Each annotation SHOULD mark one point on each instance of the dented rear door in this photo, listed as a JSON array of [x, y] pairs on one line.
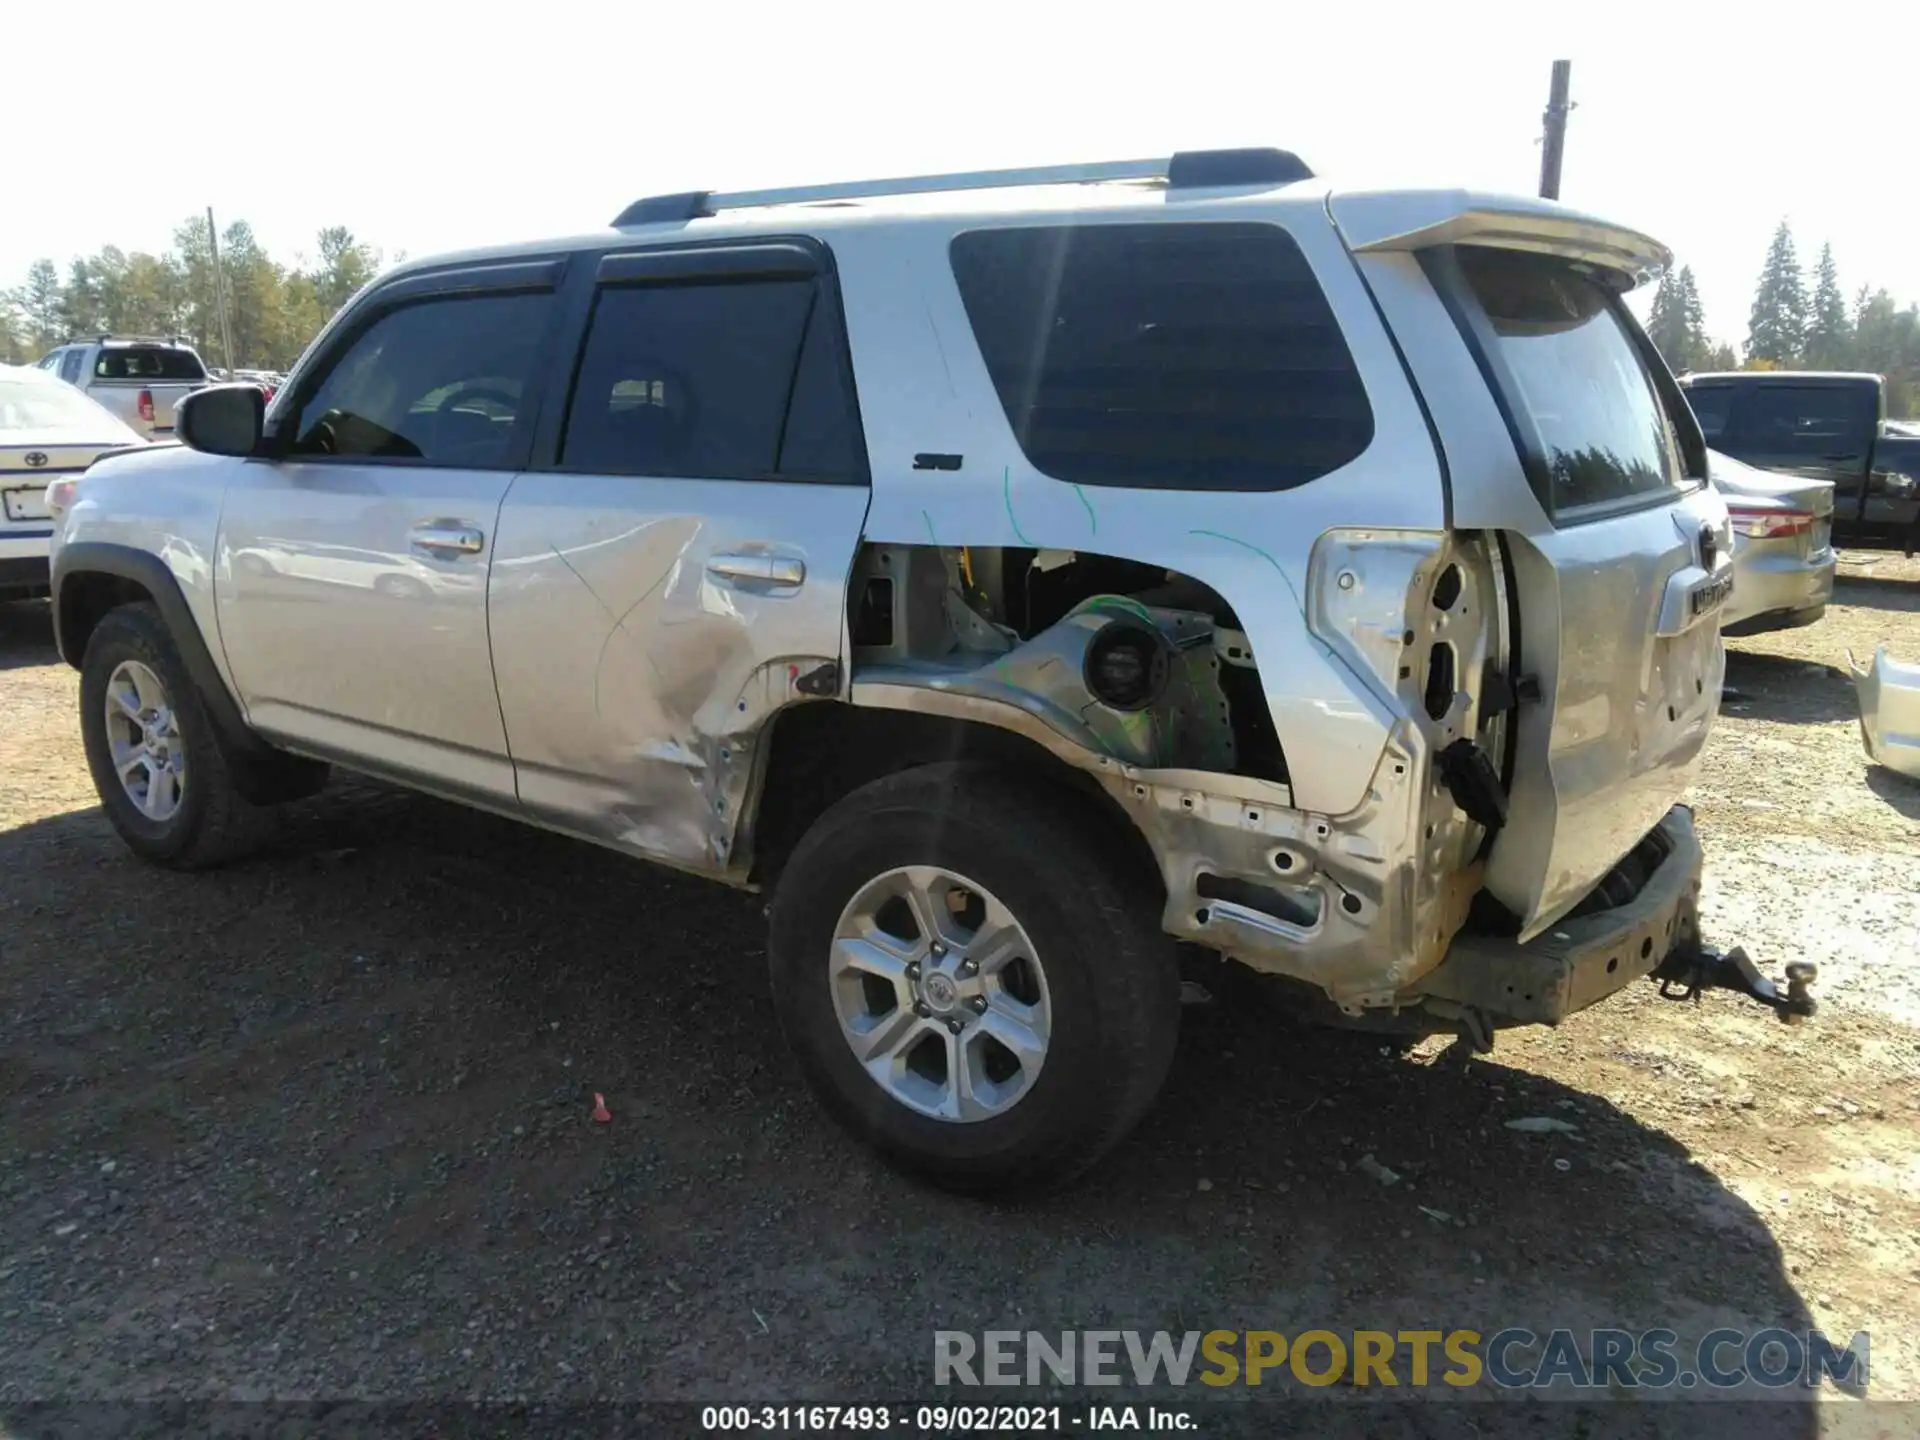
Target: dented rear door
[[1567, 440], [674, 566]]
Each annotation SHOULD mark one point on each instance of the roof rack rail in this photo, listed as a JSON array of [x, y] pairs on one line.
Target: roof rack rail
[[1186, 169], [99, 337]]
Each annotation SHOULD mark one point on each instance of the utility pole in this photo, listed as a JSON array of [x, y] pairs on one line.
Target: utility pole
[[1554, 144], [220, 294]]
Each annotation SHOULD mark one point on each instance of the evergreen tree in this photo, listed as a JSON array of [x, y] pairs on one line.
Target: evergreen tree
[[1698, 347], [13, 340], [40, 308], [1829, 332], [1777, 326], [345, 265], [1667, 321]]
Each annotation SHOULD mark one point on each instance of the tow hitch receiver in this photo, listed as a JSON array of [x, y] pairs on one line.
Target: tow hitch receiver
[[1689, 970]]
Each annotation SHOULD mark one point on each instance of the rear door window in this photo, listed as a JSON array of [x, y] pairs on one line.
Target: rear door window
[[1824, 422], [1183, 356], [148, 362], [721, 380], [1589, 418]]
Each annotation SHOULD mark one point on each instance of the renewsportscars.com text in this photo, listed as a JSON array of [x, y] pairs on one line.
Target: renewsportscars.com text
[[1512, 1358]]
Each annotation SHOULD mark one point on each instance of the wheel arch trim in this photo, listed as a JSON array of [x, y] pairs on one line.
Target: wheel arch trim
[[150, 573]]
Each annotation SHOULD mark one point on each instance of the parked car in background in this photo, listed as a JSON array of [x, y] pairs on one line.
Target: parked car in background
[[1824, 426], [47, 432], [137, 378], [267, 380], [1783, 560]]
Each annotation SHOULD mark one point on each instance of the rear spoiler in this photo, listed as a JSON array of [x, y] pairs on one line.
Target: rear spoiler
[[1421, 219]]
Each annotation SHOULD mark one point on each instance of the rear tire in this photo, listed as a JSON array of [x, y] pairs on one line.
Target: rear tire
[[179, 806], [1062, 1031]]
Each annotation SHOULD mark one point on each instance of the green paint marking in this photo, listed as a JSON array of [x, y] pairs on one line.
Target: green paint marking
[[1092, 519], [1247, 545], [929, 519], [1006, 493]]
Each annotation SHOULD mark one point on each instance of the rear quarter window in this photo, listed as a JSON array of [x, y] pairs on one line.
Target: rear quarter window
[[1182, 356]]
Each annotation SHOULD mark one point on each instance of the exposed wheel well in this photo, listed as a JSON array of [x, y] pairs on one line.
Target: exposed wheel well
[[85, 600], [821, 752]]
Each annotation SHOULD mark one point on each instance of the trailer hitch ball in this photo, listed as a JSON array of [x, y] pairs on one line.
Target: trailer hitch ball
[[1685, 973]]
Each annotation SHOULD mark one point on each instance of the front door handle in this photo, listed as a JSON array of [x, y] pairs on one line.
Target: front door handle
[[443, 539], [758, 569]]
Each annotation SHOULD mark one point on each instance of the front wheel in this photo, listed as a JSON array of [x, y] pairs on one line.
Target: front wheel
[[969, 980], [163, 779]]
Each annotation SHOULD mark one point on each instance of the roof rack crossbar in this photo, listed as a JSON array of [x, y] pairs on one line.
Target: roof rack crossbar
[[1187, 168]]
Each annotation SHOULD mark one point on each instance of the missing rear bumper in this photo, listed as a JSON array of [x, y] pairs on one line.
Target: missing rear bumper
[[1584, 958]]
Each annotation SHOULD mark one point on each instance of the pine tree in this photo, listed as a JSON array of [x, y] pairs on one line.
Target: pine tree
[[40, 307], [1777, 326], [1829, 332], [1698, 347], [1667, 321]]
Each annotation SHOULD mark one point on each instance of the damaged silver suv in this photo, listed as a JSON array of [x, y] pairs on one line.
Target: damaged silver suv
[[1014, 574]]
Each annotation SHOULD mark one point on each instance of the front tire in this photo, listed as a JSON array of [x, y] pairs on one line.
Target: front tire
[[162, 777], [971, 982]]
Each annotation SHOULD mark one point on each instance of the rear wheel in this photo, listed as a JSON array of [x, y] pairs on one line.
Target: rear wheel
[[162, 776], [968, 979]]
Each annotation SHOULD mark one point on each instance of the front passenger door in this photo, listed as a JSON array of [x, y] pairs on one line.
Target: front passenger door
[[352, 572]]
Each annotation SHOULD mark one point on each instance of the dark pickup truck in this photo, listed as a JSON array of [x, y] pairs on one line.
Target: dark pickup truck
[[1824, 426]]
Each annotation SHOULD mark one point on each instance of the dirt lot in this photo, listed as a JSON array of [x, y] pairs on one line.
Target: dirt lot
[[317, 1126]]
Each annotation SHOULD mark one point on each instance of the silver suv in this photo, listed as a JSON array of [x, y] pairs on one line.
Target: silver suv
[[1014, 575]]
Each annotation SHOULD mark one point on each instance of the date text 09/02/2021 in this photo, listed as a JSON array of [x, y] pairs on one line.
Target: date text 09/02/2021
[[945, 1419]]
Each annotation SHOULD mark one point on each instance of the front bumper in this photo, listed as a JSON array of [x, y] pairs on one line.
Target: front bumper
[[1584, 958]]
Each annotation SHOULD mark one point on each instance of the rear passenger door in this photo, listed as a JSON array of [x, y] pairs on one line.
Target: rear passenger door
[[673, 566]]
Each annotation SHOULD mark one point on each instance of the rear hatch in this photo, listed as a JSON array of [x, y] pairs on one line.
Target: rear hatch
[[166, 373], [1567, 440]]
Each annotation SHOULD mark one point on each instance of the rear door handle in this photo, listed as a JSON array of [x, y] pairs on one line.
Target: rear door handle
[[758, 569], [443, 539]]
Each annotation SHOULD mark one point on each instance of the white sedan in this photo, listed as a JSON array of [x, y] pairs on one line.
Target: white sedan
[[47, 430]]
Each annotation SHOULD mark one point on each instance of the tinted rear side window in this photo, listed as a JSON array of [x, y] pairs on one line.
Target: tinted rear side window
[[148, 362], [727, 380], [1190, 356]]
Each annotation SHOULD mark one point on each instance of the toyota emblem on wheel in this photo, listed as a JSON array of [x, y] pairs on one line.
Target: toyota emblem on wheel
[[36, 458]]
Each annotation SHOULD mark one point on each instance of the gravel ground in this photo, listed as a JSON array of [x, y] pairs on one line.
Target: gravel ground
[[316, 1126]]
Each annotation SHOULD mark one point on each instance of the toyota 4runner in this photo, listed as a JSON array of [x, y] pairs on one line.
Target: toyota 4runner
[[1014, 575]]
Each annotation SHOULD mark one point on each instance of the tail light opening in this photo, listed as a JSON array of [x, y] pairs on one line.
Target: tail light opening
[[60, 496], [1769, 524], [146, 406]]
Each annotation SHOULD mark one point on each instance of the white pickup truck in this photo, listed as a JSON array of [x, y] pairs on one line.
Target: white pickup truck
[[135, 377]]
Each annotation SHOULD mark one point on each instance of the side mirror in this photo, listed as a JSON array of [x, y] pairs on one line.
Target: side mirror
[[221, 419]]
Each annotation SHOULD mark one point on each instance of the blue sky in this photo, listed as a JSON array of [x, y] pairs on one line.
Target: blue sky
[[426, 128]]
